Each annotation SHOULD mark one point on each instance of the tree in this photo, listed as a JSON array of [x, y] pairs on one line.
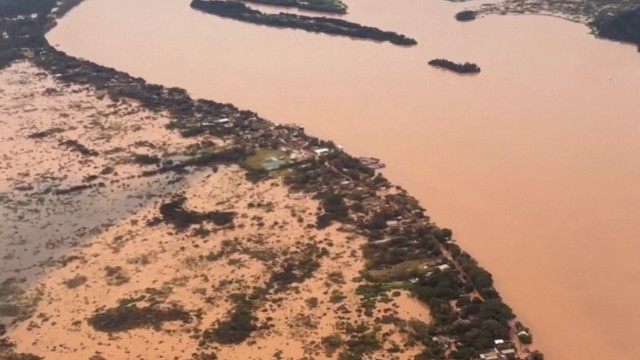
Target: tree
[[495, 309], [495, 329], [536, 355]]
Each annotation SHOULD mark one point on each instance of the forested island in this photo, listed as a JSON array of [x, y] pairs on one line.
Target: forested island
[[239, 11], [624, 26], [466, 15], [327, 6], [460, 68]]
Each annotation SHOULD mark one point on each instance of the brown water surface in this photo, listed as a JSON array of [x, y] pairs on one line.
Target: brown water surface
[[535, 163]]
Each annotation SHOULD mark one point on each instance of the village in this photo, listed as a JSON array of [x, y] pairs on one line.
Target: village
[[405, 250], [389, 217]]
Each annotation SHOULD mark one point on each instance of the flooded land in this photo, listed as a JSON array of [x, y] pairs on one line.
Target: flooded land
[[533, 162], [142, 222]]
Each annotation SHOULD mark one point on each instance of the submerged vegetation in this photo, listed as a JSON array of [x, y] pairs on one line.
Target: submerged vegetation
[[239, 11], [174, 213], [460, 68], [126, 317]]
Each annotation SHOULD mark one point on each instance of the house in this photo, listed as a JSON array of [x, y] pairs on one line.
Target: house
[[444, 267], [491, 355], [498, 342], [321, 151], [509, 354], [392, 223]]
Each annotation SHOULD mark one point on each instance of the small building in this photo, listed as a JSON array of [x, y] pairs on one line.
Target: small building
[[444, 267], [321, 151], [509, 354], [498, 342], [491, 355]]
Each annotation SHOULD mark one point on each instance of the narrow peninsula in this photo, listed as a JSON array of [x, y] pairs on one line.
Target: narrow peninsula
[[239, 11], [460, 68]]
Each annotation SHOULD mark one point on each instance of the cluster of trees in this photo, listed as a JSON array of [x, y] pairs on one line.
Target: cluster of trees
[[75, 145], [460, 68], [174, 213], [623, 27], [334, 209], [237, 328], [126, 317], [466, 15], [12, 8], [327, 6], [298, 268], [239, 11]]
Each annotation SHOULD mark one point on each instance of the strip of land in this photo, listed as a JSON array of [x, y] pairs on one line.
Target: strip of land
[[460, 68], [325, 6], [239, 11]]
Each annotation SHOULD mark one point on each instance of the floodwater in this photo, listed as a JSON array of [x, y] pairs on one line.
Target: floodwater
[[535, 163]]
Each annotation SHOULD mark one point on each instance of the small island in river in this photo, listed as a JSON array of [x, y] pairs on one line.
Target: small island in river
[[465, 68], [239, 11], [466, 15]]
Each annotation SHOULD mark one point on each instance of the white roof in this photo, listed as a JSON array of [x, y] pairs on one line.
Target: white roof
[[321, 151], [498, 342]]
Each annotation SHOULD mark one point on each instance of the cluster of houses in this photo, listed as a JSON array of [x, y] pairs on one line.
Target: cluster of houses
[[299, 147], [503, 350]]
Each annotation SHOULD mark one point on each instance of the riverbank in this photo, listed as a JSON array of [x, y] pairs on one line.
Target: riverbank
[[540, 147], [104, 246], [116, 152], [456, 289]]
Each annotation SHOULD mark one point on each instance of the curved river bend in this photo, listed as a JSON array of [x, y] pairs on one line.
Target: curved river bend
[[535, 163]]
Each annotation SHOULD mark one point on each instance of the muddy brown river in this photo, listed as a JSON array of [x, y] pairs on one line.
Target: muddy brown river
[[535, 162]]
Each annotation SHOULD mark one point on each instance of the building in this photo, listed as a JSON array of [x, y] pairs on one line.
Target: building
[[321, 151], [509, 354], [491, 355], [444, 267]]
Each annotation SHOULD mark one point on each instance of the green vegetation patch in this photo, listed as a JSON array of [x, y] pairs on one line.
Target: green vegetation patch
[[403, 271], [263, 157]]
